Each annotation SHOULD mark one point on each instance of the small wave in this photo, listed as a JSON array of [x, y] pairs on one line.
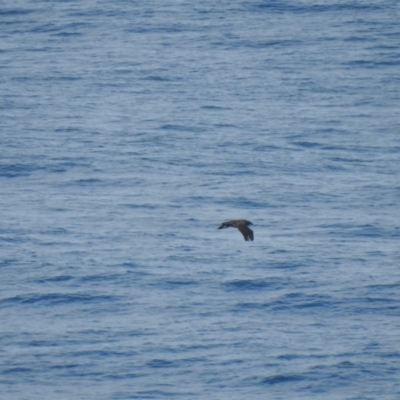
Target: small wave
[[61, 278], [85, 182], [255, 284], [54, 298], [181, 128], [17, 170], [307, 144], [16, 12], [158, 363], [276, 379]]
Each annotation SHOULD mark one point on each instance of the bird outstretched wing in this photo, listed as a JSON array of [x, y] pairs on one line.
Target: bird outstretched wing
[[246, 232]]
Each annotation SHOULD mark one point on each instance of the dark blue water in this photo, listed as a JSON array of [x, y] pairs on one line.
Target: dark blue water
[[130, 130]]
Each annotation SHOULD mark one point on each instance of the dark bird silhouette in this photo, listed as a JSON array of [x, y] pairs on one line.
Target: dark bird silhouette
[[242, 225]]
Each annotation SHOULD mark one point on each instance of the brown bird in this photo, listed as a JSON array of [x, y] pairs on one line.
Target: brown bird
[[242, 225]]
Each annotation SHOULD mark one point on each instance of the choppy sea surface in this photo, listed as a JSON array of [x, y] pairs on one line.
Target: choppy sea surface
[[129, 130]]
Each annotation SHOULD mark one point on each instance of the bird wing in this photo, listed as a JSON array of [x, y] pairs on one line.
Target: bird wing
[[246, 232]]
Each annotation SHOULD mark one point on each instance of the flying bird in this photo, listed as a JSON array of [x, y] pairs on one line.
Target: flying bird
[[242, 225]]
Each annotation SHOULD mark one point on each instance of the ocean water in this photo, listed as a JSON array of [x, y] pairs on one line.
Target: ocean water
[[129, 130]]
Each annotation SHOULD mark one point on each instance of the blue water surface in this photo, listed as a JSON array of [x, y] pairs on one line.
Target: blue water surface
[[130, 130]]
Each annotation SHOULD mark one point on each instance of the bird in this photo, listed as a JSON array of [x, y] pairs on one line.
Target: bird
[[242, 225]]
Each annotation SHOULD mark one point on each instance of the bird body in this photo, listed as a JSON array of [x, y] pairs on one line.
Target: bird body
[[242, 225]]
